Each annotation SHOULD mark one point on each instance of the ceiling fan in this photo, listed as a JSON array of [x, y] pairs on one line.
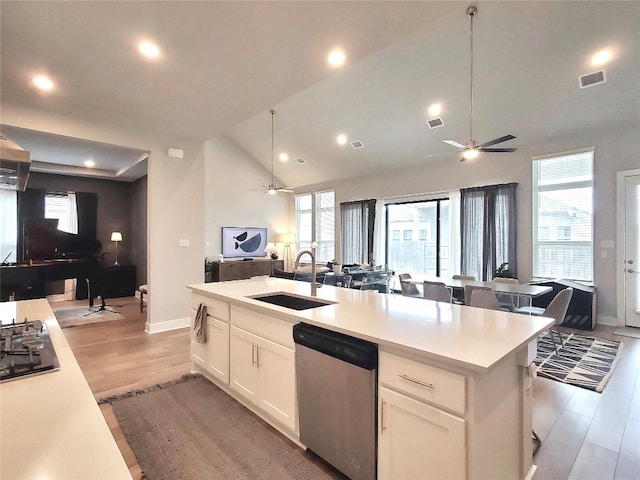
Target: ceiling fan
[[471, 148], [272, 188]]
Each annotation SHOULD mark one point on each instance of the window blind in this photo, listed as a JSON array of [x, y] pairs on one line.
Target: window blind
[[563, 216]]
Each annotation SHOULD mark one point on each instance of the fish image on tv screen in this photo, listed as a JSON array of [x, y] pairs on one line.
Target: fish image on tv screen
[[244, 241]]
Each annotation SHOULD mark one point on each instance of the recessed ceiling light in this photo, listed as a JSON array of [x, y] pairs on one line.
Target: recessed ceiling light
[[89, 163], [336, 57], [601, 58], [43, 83], [341, 139], [149, 49], [283, 157], [435, 109]]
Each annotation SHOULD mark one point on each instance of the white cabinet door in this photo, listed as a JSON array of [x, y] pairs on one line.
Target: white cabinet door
[[277, 379], [217, 349], [213, 355], [418, 441], [243, 371]]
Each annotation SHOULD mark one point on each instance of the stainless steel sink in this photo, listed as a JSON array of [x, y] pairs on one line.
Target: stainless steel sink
[[288, 300]]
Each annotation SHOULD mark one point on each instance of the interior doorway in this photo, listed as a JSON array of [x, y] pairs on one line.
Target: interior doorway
[[629, 229]]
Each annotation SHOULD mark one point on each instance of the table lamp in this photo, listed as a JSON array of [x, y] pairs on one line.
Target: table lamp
[[116, 237], [272, 249]]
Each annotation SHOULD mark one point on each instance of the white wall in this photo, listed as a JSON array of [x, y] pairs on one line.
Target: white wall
[[615, 149], [234, 197], [175, 208]]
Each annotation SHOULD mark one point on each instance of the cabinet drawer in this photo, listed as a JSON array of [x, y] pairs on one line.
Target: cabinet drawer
[[274, 329], [423, 381], [215, 308]]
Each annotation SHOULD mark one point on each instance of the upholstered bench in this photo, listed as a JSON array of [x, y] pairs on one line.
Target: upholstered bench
[[143, 290]]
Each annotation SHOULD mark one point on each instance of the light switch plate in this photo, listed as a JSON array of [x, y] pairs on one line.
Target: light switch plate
[[183, 242]]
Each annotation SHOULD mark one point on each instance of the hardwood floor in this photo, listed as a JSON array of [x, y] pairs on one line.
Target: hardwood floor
[[585, 435]]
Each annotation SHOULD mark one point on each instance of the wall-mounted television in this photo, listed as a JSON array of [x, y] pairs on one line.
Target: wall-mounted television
[[244, 241]]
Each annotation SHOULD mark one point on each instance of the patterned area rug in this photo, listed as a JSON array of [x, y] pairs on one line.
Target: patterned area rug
[[78, 316], [586, 362]]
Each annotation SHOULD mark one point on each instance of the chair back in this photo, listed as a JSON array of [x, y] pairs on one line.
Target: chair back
[[484, 299], [468, 290], [436, 291], [505, 280], [338, 280], [408, 289], [463, 277], [557, 308]]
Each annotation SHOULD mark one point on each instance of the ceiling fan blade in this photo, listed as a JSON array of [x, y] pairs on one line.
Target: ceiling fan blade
[[286, 190], [497, 150], [496, 141], [454, 144]]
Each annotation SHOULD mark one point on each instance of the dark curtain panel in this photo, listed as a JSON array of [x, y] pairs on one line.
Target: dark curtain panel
[[30, 206], [488, 229], [87, 204], [357, 221]]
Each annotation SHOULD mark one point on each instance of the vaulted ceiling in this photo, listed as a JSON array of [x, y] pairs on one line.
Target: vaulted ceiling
[[225, 64]]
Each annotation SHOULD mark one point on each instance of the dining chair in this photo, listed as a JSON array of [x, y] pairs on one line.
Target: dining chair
[[408, 289], [482, 298], [339, 280], [463, 277], [508, 301], [468, 290], [436, 291], [557, 309]]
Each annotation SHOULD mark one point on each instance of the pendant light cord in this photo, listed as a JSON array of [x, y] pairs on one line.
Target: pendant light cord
[[471, 15], [273, 112]]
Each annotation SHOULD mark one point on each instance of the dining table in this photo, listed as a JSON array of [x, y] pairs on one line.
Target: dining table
[[513, 289]]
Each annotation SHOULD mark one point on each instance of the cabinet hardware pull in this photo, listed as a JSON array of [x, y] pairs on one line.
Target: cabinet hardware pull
[[413, 380], [382, 427], [253, 354], [258, 355]]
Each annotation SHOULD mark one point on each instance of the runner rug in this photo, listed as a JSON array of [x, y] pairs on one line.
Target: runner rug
[[190, 429], [586, 362], [78, 316]]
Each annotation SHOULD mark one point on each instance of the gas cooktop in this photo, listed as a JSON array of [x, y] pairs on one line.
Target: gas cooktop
[[26, 349]]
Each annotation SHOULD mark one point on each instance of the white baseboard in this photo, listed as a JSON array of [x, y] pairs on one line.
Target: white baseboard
[[158, 327], [612, 321]]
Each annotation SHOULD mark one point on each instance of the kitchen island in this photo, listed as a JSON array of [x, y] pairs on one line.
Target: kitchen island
[[51, 425], [463, 370]]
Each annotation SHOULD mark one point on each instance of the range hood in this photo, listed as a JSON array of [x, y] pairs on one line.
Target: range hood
[[14, 165]]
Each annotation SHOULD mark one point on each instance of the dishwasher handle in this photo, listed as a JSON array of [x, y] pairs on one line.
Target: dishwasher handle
[[349, 349]]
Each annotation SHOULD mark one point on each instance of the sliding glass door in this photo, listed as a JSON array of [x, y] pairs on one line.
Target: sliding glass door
[[418, 237]]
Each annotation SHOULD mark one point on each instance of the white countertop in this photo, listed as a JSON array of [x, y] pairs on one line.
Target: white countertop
[[468, 337], [51, 426]]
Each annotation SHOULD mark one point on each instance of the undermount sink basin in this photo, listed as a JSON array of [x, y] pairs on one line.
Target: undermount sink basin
[[288, 300]]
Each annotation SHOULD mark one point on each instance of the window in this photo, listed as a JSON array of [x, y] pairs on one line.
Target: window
[[63, 207], [429, 253], [315, 220], [562, 216], [8, 225], [357, 232]]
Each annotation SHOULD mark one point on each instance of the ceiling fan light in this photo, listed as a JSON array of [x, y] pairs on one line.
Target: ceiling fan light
[[272, 191], [470, 154]]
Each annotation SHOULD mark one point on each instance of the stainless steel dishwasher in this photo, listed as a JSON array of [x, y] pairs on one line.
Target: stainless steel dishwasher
[[337, 378]]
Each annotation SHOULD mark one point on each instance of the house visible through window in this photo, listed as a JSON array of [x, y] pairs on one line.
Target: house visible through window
[[424, 247], [562, 216], [315, 220], [62, 206]]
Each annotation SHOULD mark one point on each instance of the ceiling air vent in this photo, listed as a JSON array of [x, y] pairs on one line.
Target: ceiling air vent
[[357, 144], [300, 160], [591, 79], [435, 122]]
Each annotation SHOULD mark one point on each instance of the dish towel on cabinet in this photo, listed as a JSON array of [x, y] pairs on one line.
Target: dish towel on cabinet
[[199, 326]]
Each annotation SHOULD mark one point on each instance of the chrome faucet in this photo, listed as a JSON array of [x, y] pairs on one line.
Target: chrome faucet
[[312, 254]]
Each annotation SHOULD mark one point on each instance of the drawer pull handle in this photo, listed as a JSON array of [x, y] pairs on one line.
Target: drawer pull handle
[[413, 380]]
